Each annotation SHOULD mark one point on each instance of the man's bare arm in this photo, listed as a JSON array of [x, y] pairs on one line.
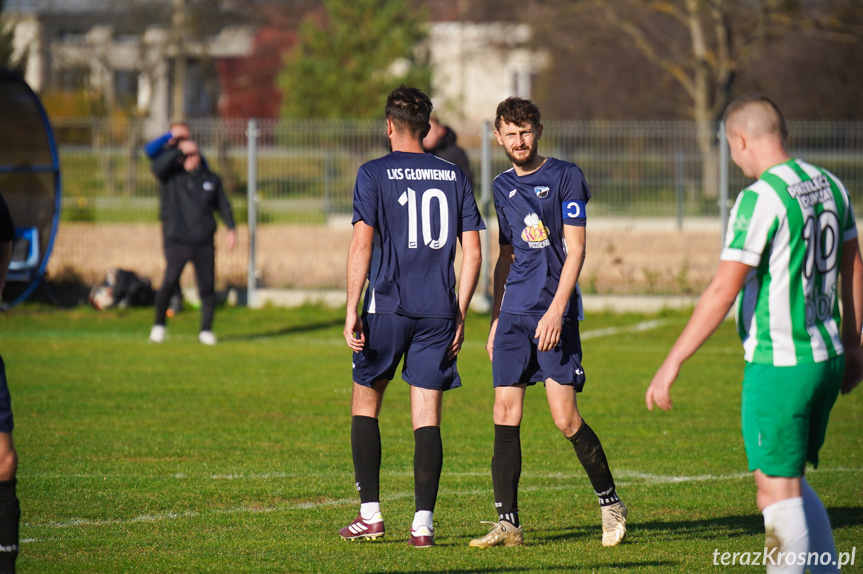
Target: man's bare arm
[[470, 265], [359, 259]]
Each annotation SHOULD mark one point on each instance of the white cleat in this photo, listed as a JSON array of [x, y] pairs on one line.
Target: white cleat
[[207, 338], [613, 524], [502, 533], [157, 334]]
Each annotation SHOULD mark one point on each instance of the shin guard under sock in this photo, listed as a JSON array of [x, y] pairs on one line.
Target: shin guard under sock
[[592, 458], [428, 461], [366, 450], [506, 471]]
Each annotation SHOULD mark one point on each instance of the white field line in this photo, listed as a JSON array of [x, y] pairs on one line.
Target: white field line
[[645, 477], [132, 338], [637, 328], [630, 478]]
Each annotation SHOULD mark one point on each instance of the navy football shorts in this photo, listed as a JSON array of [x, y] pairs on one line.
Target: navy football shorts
[[423, 341], [516, 360], [6, 424]]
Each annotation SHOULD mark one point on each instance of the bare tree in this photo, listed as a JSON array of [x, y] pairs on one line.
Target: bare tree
[[698, 46]]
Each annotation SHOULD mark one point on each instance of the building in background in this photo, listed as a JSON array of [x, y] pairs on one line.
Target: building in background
[[475, 65], [125, 54]]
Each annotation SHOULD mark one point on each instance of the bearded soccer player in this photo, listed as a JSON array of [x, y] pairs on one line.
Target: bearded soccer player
[[410, 210], [541, 210], [790, 250]]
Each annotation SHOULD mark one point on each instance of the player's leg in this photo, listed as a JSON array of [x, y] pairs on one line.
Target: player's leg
[[373, 369], [429, 372], [564, 378], [513, 361], [204, 260], [564, 411], [366, 454], [781, 503], [784, 416], [820, 531], [10, 512], [176, 256], [506, 458], [428, 461], [777, 478], [506, 467], [817, 520]]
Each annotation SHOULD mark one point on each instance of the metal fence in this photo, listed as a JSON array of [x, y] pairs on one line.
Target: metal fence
[[305, 174]]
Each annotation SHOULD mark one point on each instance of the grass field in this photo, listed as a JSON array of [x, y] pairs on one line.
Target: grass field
[[181, 458]]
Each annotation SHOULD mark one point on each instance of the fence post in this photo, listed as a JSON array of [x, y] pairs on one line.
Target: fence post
[[723, 181], [681, 186], [252, 209], [483, 302]]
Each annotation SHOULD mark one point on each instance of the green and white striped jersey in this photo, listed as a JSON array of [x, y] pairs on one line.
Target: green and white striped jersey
[[790, 226]]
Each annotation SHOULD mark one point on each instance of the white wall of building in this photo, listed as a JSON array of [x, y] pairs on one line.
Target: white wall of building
[[476, 65]]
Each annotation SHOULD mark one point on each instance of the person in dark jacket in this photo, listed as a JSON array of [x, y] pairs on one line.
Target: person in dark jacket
[[177, 132], [441, 142], [190, 195]]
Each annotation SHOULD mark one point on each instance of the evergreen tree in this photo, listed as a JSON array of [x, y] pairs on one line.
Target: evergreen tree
[[350, 58]]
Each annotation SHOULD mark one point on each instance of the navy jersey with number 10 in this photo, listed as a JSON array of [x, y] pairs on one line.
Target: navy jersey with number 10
[[418, 205], [531, 212]]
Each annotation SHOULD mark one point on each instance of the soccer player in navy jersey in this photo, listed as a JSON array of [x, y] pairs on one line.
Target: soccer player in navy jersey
[[541, 210], [410, 210]]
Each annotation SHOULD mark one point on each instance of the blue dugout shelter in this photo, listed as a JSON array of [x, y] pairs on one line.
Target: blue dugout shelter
[[29, 182]]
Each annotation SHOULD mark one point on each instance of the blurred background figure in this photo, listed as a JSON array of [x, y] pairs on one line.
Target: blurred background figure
[[190, 195], [177, 132], [441, 142]]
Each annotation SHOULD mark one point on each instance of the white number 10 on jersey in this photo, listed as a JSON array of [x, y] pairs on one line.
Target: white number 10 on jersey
[[409, 197]]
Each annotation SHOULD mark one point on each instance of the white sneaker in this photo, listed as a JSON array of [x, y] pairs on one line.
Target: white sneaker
[[207, 338], [157, 334], [613, 524]]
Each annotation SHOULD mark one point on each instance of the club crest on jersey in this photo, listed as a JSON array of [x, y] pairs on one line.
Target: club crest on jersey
[[535, 233], [742, 224], [541, 191]]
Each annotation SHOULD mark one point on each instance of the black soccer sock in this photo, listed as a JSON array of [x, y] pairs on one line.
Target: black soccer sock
[[366, 450], [506, 470], [10, 515], [592, 458], [428, 461]]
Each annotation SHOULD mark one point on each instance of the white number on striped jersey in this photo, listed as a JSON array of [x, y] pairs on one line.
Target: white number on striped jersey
[[409, 197], [821, 235]]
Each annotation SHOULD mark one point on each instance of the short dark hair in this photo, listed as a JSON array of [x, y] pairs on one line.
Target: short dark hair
[[517, 111], [409, 108], [777, 125]]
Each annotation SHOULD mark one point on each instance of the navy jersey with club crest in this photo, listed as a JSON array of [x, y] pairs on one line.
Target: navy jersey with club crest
[[419, 205], [531, 212]]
